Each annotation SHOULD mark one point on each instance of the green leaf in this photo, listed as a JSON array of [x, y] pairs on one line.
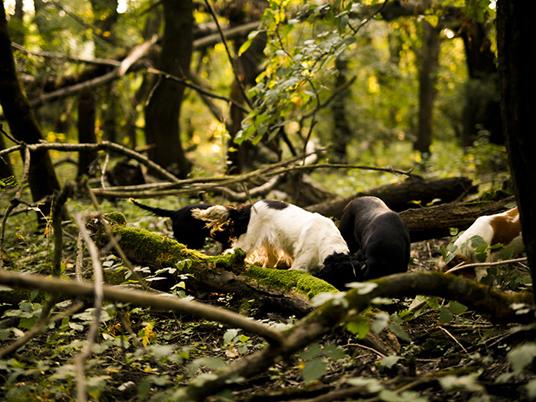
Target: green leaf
[[312, 352], [314, 369], [229, 335], [363, 288], [359, 327], [334, 352], [246, 45], [522, 356], [457, 308], [389, 361], [467, 382], [381, 320], [396, 327], [370, 384], [445, 315]]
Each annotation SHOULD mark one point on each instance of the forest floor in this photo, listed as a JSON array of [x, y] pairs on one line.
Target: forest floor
[[432, 349]]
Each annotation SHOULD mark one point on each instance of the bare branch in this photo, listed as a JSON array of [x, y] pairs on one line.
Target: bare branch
[[85, 289]]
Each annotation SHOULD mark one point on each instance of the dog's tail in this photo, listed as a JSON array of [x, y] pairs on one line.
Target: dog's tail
[[167, 213], [216, 217]]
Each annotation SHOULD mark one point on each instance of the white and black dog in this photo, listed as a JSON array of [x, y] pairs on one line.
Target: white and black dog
[[187, 229], [277, 231], [377, 235]]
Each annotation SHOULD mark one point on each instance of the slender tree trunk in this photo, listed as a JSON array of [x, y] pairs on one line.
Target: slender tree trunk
[[248, 64], [341, 128], [162, 113], [86, 131], [482, 108], [427, 92], [152, 27], [21, 120], [517, 64]]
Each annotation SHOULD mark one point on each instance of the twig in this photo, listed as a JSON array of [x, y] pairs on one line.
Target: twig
[[62, 56], [359, 345], [79, 257], [85, 289], [195, 86], [232, 60], [446, 331], [81, 358], [485, 264]]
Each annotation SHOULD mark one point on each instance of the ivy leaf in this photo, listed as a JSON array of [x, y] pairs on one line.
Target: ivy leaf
[[313, 370], [522, 356]]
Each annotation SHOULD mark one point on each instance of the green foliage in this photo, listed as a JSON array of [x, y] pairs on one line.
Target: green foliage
[[316, 359]]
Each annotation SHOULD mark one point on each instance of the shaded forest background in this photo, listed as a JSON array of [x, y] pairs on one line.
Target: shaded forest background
[[227, 102]]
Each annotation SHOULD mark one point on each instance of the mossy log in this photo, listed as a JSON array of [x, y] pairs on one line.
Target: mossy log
[[405, 195], [290, 291]]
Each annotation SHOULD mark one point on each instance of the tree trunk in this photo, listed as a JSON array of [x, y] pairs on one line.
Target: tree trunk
[[341, 128], [152, 27], [21, 120], [482, 108], [243, 157], [163, 110], [517, 63], [86, 132], [427, 92]]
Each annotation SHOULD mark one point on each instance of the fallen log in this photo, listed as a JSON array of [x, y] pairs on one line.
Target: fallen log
[[434, 222], [284, 290], [401, 196]]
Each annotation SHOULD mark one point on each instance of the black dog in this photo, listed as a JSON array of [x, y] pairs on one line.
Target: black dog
[[378, 236], [188, 230]]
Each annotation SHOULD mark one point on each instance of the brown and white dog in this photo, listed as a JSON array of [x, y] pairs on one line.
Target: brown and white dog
[[277, 231], [481, 240]]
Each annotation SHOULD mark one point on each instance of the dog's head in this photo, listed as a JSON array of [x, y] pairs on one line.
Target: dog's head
[[340, 269]]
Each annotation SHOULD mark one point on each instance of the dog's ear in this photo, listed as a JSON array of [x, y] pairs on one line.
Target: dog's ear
[[216, 217]]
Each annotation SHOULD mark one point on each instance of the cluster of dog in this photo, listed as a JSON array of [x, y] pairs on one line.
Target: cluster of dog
[[372, 240]]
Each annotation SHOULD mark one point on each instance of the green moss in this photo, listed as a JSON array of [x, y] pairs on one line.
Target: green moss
[[115, 218], [146, 247], [289, 280]]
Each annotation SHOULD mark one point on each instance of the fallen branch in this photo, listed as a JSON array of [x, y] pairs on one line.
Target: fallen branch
[[102, 146], [485, 264], [495, 304], [84, 289]]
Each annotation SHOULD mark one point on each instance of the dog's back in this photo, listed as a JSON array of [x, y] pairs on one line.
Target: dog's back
[[378, 234]]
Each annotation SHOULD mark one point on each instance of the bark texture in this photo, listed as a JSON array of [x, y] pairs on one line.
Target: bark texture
[[21, 121], [517, 63], [162, 112]]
